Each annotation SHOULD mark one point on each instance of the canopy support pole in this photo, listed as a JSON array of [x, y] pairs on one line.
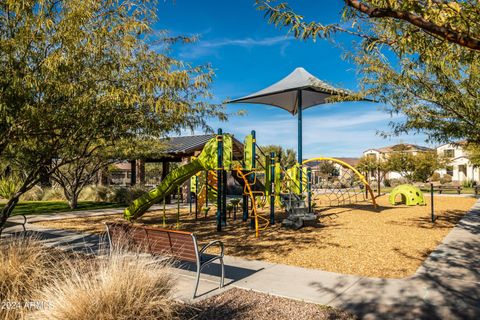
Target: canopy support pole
[[300, 157]]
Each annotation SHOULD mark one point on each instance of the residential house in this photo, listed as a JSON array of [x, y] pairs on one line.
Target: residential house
[[459, 166], [383, 154]]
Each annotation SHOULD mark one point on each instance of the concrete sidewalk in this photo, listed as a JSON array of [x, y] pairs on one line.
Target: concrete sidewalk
[[446, 286]]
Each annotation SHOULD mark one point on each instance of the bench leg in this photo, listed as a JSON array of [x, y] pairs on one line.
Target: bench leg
[[222, 279], [196, 282]]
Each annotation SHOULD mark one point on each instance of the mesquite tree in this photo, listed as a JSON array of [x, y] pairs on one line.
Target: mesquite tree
[[419, 58], [79, 75], [374, 167]]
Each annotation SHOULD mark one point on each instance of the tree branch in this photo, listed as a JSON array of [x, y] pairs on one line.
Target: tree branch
[[448, 34]]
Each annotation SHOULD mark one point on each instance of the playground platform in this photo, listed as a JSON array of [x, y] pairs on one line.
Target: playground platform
[[446, 286]]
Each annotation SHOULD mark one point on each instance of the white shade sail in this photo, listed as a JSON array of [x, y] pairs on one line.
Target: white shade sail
[[284, 93]]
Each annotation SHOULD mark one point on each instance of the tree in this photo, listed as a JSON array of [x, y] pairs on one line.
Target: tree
[[420, 58], [327, 168], [426, 163], [76, 175], [374, 167], [286, 157], [473, 152], [78, 76], [402, 162], [452, 21], [415, 167]]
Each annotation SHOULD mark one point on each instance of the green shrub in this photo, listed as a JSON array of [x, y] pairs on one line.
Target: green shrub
[[89, 193], [53, 193], [137, 191], [387, 183], [446, 178], [34, 194], [397, 182], [8, 186], [103, 194], [468, 183], [435, 177], [121, 195]]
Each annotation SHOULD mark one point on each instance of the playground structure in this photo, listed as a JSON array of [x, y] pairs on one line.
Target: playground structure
[[335, 183], [410, 195], [263, 183]]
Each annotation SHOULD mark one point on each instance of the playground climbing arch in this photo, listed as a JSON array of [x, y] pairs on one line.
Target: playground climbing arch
[[344, 185]]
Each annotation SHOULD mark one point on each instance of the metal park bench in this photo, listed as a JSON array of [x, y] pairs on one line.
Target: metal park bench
[[179, 245], [9, 224], [441, 188]]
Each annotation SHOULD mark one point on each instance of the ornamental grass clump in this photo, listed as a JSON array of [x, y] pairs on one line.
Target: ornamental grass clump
[[25, 266], [118, 286]]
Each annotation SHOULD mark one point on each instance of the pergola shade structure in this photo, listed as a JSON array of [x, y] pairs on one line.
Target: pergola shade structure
[[298, 91]]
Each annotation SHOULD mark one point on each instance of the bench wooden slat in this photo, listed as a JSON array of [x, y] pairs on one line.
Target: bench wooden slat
[[177, 244]]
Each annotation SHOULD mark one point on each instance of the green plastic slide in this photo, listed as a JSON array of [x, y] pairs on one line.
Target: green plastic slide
[[207, 160]]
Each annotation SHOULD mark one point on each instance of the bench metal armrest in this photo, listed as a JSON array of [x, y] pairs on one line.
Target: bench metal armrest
[[205, 247]]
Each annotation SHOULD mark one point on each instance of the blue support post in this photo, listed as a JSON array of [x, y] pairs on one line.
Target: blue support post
[[272, 188], [196, 197], [219, 178], [254, 165], [309, 189], [224, 197], [299, 127], [190, 194], [245, 208]]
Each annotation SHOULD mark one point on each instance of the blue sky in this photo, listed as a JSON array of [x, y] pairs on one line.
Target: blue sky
[[248, 54]]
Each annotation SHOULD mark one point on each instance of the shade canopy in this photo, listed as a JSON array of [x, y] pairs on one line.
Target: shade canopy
[[285, 93]]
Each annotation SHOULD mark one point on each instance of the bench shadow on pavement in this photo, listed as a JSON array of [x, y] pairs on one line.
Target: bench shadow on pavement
[[232, 273], [76, 242]]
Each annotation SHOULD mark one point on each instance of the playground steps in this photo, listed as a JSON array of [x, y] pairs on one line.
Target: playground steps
[[297, 211]]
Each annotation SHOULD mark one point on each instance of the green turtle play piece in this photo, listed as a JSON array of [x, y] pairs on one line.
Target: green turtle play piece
[[411, 195]]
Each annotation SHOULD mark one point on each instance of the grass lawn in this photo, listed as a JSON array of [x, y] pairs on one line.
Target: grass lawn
[[42, 207]]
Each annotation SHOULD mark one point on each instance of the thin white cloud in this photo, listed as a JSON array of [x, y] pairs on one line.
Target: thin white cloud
[[246, 42], [209, 47], [345, 134]]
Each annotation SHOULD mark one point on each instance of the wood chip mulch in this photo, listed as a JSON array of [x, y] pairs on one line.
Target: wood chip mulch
[[386, 242]]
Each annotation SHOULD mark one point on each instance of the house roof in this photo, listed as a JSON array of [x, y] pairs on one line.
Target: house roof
[[457, 143], [351, 161], [123, 166], [401, 147], [185, 146]]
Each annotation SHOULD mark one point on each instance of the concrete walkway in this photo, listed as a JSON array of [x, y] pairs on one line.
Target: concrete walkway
[[446, 286]]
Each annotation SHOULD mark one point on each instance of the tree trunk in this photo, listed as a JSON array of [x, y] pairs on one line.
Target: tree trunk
[[378, 181], [165, 171], [8, 209], [140, 172], [133, 172], [73, 201]]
